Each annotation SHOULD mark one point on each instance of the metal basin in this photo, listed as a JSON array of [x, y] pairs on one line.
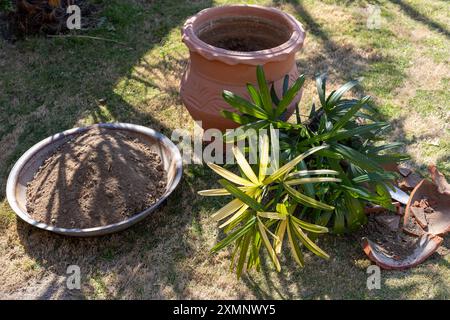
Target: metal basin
[[27, 166]]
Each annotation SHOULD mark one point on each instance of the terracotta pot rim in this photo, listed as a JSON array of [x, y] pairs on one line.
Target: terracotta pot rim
[[230, 57]]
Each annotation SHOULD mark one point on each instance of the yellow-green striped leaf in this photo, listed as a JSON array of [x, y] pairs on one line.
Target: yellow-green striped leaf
[[242, 162], [294, 182], [268, 245], [230, 176], [227, 210], [290, 165], [305, 200]]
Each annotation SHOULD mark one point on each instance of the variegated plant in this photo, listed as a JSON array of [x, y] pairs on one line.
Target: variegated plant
[[348, 126], [265, 209]]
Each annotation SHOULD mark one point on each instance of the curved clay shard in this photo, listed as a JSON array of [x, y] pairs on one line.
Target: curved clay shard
[[425, 246], [439, 180], [430, 208]]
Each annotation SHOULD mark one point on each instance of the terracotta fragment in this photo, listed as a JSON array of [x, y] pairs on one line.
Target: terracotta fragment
[[439, 180], [420, 216], [435, 207], [404, 171], [425, 246], [411, 227], [409, 182]]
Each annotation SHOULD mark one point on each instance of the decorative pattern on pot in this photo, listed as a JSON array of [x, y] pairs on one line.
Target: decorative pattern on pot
[[226, 44]]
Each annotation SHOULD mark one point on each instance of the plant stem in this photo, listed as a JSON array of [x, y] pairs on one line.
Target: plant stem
[[297, 113]]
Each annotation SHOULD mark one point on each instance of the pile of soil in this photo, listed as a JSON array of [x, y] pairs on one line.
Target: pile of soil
[[100, 177]]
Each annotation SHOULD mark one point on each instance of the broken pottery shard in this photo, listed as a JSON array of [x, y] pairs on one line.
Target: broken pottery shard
[[425, 246], [404, 171], [436, 207], [439, 222], [409, 182], [399, 195], [391, 222], [420, 216], [411, 227], [439, 180]]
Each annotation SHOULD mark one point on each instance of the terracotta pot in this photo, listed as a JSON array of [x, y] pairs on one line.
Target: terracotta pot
[[226, 44]]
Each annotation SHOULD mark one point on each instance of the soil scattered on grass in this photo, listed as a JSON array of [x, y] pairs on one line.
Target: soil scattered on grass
[[100, 177]]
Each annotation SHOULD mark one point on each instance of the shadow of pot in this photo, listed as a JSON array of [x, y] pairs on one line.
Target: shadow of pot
[[226, 44]]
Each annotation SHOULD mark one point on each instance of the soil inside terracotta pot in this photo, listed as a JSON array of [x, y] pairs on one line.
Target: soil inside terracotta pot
[[99, 177], [244, 34]]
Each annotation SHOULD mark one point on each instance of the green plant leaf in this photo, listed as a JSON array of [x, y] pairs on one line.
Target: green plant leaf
[[244, 106], [339, 220], [355, 212], [228, 209], [356, 157], [268, 245], [290, 165], [358, 131], [230, 176], [295, 249], [321, 85], [323, 218], [290, 95], [280, 232], [305, 200], [221, 192], [244, 249], [254, 94], [264, 90], [232, 136], [334, 98], [285, 84], [388, 146], [245, 198], [273, 95], [243, 164], [375, 177], [309, 226], [235, 235], [304, 173], [271, 215], [295, 182], [263, 156], [240, 119], [235, 217], [308, 243], [273, 138], [350, 113]]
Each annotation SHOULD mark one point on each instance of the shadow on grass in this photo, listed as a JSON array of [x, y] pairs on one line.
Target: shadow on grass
[[339, 59], [413, 13], [135, 260]]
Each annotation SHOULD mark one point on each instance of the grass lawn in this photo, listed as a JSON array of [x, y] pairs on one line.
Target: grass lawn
[[49, 85]]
